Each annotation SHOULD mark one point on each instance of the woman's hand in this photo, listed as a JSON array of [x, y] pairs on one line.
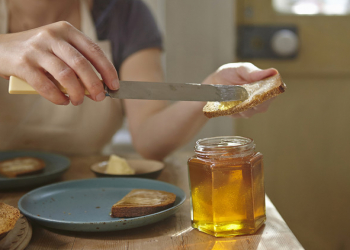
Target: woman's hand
[[65, 53], [238, 74]]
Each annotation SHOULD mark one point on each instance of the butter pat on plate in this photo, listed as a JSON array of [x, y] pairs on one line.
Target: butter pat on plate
[[118, 165]]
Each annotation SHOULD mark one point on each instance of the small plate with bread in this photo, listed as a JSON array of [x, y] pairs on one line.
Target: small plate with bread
[[102, 204], [20, 169], [135, 168]]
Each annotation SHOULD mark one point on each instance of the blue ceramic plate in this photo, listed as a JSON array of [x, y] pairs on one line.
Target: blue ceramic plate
[[56, 165], [85, 205]]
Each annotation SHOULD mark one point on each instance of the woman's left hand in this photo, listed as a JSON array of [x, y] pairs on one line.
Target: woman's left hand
[[239, 74]]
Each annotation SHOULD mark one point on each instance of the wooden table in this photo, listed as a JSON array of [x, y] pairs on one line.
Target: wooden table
[[174, 232]]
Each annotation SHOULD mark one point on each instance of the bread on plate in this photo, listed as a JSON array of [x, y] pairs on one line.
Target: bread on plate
[[140, 202], [21, 166]]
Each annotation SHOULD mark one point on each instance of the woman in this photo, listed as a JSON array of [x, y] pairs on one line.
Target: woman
[[35, 42]]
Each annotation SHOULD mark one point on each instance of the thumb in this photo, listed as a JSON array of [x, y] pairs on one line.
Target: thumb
[[262, 74]]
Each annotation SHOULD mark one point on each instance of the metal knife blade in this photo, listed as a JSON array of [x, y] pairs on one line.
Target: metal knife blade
[[178, 91]]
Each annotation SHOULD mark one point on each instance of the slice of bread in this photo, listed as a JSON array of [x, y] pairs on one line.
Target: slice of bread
[[258, 92], [8, 218], [140, 202], [21, 166]]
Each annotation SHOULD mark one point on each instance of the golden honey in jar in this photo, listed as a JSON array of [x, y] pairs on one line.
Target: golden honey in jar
[[227, 186]]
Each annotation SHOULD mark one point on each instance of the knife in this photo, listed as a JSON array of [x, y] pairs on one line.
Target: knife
[[154, 91]]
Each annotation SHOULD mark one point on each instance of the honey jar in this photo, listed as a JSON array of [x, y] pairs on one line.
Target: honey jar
[[227, 186]]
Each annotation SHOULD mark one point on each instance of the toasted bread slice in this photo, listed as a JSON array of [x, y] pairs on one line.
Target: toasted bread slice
[[141, 202], [21, 166], [258, 92], [8, 218]]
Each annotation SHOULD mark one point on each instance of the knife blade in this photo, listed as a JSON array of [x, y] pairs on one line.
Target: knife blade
[[155, 91], [178, 91]]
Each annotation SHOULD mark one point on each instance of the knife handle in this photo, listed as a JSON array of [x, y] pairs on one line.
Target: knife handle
[[19, 86]]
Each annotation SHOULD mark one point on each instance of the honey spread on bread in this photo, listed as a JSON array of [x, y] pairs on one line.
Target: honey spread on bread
[[258, 92], [118, 165], [140, 202], [227, 105]]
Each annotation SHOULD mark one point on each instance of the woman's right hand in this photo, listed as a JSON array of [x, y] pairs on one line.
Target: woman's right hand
[[62, 51]]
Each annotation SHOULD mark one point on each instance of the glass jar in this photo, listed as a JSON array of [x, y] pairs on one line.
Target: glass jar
[[227, 186]]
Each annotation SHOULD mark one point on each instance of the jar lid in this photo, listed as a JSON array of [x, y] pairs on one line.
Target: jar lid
[[221, 144]]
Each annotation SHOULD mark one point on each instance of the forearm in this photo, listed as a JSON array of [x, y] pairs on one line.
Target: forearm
[[168, 129]]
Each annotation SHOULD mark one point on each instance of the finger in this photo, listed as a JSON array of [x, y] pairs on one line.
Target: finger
[[263, 107], [244, 115], [45, 87], [251, 73], [248, 113], [96, 56], [5, 76], [240, 73], [64, 75], [240, 115], [88, 96], [258, 75], [82, 68]]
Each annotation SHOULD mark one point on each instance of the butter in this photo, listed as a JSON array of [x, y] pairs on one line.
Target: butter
[[118, 165]]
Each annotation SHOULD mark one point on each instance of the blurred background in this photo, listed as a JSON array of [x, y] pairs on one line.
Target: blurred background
[[305, 135]]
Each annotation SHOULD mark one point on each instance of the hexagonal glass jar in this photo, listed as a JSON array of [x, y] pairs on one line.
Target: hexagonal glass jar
[[227, 186]]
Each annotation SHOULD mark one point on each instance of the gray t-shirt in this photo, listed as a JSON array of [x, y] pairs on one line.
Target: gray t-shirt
[[128, 24]]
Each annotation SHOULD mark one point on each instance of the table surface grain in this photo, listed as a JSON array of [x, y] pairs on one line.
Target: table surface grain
[[174, 232]]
